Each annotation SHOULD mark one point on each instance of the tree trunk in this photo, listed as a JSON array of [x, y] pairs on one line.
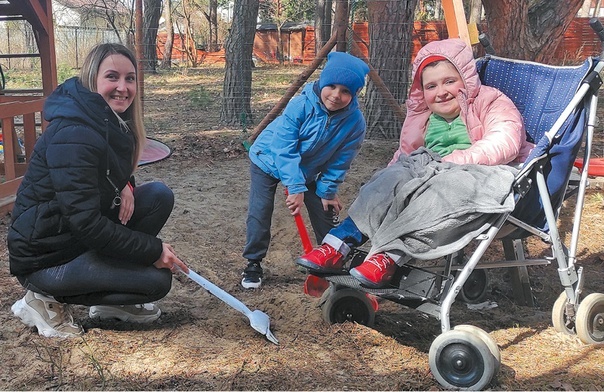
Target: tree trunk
[[322, 23], [152, 13], [390, 50], [237, 86], [213, 44], [188, 43], [167, 60], [340, 24], [528, 29]]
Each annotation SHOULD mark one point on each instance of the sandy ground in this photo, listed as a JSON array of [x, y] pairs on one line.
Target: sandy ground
[[200, 343]]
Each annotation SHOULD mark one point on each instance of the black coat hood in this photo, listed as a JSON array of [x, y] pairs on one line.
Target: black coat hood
[[63, 203]]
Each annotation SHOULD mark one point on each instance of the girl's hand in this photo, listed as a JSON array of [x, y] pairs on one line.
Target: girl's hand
[[334, 203], [127, 205], [169, 260], [294, 203]]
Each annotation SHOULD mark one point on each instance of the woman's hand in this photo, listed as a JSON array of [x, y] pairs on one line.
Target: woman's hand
[[127, 205], [169, 260], [295, 202], [334, 203]]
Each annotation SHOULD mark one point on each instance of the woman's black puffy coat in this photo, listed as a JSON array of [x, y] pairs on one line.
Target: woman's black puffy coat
[[63, 205]]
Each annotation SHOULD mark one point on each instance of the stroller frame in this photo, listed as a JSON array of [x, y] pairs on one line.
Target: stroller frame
[[466, 357]]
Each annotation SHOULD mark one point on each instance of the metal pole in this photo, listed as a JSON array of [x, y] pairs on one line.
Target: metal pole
[[138, 44]]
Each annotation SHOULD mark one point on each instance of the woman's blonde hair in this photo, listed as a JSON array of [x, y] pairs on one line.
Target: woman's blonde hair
[[132, 118]]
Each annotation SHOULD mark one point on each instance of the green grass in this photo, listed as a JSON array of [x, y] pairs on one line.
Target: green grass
[[200, 97], [19, 79]]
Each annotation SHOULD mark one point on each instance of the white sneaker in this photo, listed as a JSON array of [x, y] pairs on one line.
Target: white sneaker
[[51, 318], [144, 313]]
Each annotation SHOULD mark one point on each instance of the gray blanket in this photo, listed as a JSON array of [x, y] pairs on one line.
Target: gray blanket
[[427, 209]]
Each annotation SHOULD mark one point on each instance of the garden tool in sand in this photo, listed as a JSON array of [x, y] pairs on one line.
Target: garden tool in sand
[[313, 285], [258, 320]]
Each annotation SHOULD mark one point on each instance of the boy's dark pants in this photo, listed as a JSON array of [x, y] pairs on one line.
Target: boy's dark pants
[[260, 212]]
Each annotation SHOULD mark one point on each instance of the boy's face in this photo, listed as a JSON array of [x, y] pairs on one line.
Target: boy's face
[[335, 97], [441, 83]]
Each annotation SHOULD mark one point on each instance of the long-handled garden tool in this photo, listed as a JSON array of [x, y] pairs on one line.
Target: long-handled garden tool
[[313, 285], [258, 319]]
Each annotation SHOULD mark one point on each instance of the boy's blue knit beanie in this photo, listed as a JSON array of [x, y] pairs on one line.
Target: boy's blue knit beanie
[[345, 69]]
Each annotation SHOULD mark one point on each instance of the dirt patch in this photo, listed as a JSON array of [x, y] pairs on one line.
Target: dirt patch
[[201, 344]]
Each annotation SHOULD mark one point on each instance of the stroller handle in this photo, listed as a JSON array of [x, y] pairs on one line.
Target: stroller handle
[[597, 27]]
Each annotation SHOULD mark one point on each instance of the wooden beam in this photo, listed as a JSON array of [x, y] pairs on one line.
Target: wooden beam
[[380, 85], [46, 48], [455, 18], [33, 11], [293, 88]]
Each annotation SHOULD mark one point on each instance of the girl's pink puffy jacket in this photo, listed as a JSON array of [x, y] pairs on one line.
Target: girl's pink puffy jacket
[[494, 124]]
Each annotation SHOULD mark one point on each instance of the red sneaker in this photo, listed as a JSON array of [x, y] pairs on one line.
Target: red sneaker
[[323, 259], [376, 271]]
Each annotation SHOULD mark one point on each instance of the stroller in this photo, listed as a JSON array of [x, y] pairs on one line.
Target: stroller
[[558, 104]]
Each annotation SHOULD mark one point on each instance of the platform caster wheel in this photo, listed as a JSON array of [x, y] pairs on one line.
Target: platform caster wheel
[[490, 342], [347, 305], [474, 290], [589, 322], [562, 322], [460, 360]]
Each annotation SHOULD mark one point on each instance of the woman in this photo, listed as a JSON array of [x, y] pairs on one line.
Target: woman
[[81, 233]]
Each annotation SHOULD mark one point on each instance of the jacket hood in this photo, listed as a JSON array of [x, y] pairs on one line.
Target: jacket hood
[[72, 101], [459, 54]]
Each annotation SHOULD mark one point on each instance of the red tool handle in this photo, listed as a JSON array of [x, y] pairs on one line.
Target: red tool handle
[[306, 244]]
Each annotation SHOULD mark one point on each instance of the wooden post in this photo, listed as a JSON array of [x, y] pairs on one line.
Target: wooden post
[[46, 48], [293, 88], [379, 84], [455, 18], [140, 53]]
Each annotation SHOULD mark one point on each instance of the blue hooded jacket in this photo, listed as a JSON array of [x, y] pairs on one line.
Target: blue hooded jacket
[[308, 143]]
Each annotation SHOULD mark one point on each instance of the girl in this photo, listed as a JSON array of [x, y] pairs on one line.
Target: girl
[[449, 113]]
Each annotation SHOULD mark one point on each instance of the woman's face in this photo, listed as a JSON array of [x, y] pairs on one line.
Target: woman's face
[[441, 84], [116, 82]]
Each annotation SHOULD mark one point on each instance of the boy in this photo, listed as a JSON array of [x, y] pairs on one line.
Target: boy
[[449, 113], [309, 148]]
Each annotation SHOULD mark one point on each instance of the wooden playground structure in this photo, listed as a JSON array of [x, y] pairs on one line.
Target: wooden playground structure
[[21, 110]]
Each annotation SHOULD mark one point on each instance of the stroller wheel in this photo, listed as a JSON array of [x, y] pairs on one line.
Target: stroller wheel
[[474, 290], [347, 305], [590, 319], [562, 322], [490, 342], [460, 360]]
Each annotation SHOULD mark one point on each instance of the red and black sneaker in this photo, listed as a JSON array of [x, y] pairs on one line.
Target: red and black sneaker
[[376, 271], [322, 259]]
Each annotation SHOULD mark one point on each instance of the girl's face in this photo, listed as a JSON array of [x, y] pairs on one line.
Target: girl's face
[[441, 84], [116, 82], [335, 97]]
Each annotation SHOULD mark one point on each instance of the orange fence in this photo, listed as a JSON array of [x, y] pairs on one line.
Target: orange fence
[[299, 43]]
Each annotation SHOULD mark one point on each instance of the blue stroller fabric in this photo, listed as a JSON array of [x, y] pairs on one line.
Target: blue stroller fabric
[[541, 93]]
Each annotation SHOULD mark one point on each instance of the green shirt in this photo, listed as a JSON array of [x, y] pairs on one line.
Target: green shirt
[[444, 137]]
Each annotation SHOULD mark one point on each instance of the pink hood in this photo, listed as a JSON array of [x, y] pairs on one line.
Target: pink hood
[[494, 124]]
